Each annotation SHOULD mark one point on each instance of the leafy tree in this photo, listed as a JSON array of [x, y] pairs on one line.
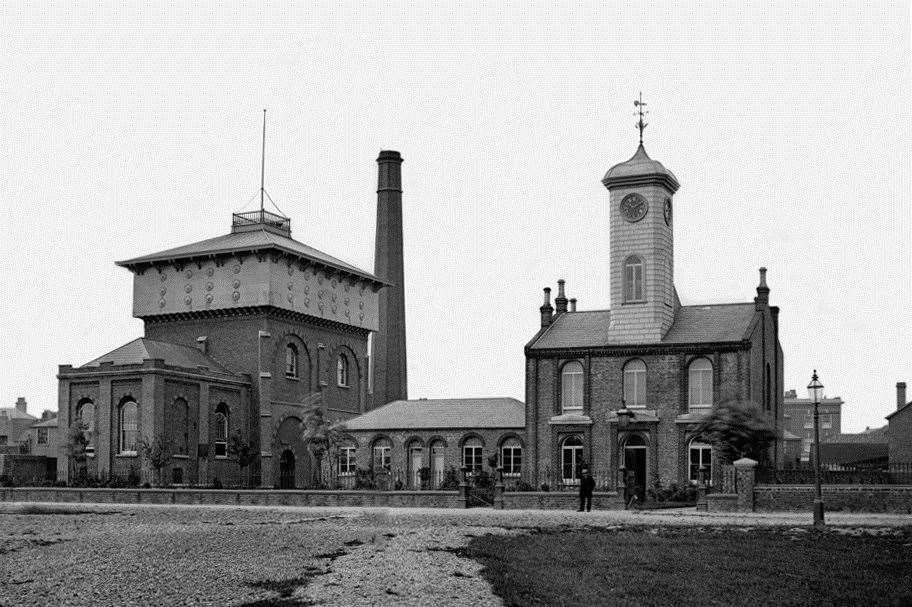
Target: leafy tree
[[324, 440], [77, 449], [244, 451], [737, 429], [155, 453]]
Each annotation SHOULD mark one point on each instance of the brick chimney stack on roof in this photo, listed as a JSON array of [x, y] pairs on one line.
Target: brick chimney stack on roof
[[761, 301], [546, 310], [900, 394], [561, 300], [20, 403]]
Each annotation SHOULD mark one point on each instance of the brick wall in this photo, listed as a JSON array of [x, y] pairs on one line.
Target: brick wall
[[900, 437], [848, 498]]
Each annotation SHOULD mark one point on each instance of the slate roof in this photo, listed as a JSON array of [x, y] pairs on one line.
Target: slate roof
[[134, 352], [253, 240], [901, 409], [693, 324], [639, 165], [14, 413], [869, 436], [48, 423], [443, 413]]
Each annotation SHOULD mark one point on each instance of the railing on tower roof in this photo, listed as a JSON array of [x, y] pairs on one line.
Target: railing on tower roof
[[260, 219]]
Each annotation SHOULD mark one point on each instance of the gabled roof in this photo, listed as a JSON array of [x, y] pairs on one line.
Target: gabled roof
[[141, 348], [692, 325], [253, 240], [443, 413], [870, 435], [907, 406], [14, 413]]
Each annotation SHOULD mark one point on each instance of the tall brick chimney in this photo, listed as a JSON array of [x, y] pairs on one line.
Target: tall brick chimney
[[900, 395], [20, 402], [388, 356]]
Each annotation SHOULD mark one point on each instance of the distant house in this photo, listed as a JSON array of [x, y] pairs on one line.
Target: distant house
[[859, 449], [900, 428], [13, 422], [798, 420]]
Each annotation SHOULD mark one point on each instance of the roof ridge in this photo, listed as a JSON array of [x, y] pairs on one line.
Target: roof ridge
[[707, 305]]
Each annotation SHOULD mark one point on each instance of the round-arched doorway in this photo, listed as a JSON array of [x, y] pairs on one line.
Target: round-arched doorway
[[287, 470]]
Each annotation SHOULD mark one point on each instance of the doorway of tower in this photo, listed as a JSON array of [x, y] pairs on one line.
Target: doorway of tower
[[635, 465], [287, 470]]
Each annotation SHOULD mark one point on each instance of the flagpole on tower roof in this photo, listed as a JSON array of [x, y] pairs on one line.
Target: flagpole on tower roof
[[263, 165]]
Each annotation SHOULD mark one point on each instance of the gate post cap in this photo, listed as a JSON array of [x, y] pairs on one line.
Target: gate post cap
[[745, 462]]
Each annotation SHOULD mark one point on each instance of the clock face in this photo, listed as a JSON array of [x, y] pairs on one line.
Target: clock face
[[634, 207], [667, 212]]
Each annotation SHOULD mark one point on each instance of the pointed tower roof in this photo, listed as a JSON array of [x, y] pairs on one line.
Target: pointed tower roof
[[640, 170]]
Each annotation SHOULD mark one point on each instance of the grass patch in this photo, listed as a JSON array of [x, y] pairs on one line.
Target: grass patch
[[688, 566]]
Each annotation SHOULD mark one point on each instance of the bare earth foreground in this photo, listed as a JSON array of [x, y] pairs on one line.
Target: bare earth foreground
[[53, 554]]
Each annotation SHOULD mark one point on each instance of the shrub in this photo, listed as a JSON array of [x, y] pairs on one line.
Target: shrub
[[450, 480], [216, 483], [545, 487], [364, 479]]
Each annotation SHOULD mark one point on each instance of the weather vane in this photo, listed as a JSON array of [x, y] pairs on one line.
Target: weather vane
[[640, 104]]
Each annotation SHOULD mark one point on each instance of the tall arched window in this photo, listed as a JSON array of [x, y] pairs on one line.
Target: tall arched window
[[700, 462], [471, 453], [291, 361], [571, 458], [572, 387], [129, 412], [221, 430], [635, 383], [180, 422], [633, 279], [511, 457], [700, 383], [86, 418], [342, 370]]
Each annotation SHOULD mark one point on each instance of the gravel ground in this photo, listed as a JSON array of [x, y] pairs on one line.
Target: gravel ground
[[77, 554]]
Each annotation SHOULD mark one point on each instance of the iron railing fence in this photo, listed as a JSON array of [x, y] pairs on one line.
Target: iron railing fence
[[838, 474], [249, 218]]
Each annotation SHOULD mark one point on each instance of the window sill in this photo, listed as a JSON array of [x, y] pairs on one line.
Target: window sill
[[346, 386], [126, 454], [633, 302], [292, 378], [221, 457], [180, 456]]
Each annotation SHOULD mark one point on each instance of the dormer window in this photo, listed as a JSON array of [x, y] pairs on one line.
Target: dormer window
[[633, 279]]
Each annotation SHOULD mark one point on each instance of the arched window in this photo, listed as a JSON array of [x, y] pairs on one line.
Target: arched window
[[511, 457], [291, 361], [572, 387], [342, 371], [221, 430], [86, 418], [438, 462], [347, 459], [633, 279], [180, 431], [635, 383], [471, 454], [382, 454], [128, 427], [700, 383], [571, 458], [700, 463]]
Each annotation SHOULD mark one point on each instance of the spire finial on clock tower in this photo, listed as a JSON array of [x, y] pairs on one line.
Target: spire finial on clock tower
[[640, 104]]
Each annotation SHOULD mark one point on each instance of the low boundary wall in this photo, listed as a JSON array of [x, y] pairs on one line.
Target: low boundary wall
[[259, 497], [253, 497], [846, 498]]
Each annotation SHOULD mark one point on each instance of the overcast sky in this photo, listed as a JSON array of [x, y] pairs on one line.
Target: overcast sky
[[128, 131]]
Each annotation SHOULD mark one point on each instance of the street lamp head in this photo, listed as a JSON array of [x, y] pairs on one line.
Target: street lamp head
[[815, 388]]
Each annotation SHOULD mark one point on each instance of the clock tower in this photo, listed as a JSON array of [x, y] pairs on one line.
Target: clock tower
[[643, 297]]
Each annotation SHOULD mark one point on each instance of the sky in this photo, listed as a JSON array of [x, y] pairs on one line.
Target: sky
[[131, 128]]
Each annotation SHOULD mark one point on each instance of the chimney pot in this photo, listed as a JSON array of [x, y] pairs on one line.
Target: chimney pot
[[573, 304], [561, 300], [546, 310], [20, 404], [761, 301], [900, 394]]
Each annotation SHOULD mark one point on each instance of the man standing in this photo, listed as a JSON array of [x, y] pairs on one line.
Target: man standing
[[587, 486]]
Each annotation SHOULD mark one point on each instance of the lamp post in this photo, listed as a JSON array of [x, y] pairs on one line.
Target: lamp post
[[816, 391]]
